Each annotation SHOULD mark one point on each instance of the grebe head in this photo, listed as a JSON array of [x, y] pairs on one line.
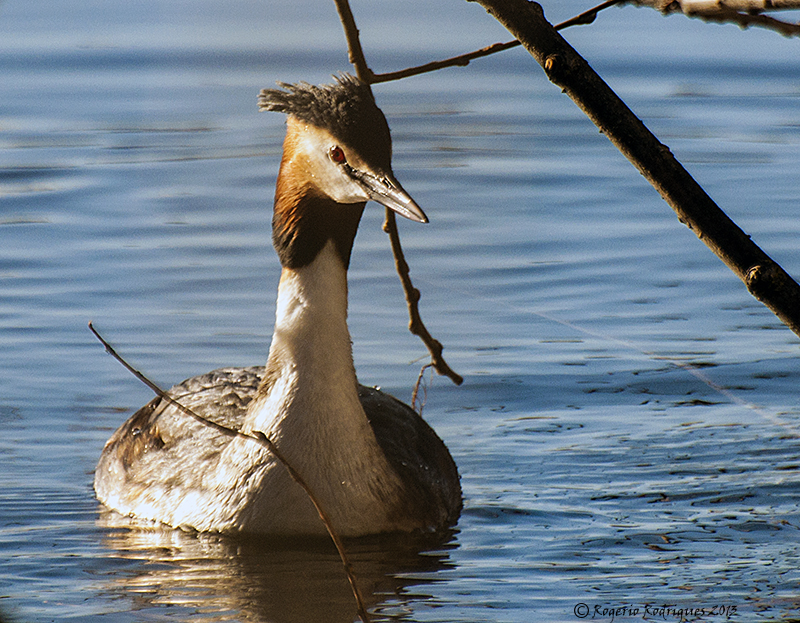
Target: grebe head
[[338, 144]]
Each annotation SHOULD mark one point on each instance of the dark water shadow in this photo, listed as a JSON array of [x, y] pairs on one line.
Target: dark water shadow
[[273, 580]]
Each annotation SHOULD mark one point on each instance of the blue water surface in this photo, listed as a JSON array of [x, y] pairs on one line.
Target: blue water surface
[[627, 432]]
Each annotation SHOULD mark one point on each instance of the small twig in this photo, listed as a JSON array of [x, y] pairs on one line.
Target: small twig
[[260, 438], [462, 60], [743, 13], [587, 17], [749, 6], [354, 49], [417, 386], [745, 20]]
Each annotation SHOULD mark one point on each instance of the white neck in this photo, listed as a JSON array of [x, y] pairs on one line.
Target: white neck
[[309, 407], [310, 404], [311, 340]]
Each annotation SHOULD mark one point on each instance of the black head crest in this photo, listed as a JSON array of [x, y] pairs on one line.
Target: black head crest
[[346, 109]]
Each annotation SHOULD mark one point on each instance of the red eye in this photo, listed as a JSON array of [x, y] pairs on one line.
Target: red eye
[[337, 155]]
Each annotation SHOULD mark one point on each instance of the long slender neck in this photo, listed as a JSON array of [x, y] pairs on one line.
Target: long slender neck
[[310, 363], [308, 401], [311, 338]]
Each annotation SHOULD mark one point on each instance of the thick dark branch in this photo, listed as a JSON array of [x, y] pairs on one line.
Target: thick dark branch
[[765, 279], [260, 438]]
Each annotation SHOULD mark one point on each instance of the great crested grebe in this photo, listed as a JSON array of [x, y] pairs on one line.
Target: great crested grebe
[[372, 462]]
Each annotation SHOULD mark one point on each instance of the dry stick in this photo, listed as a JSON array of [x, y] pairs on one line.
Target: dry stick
[[258, 437], [415, 325], [765, 279], [354, 49]]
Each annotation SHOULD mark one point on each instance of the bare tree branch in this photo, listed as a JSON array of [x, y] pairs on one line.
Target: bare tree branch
[[743, 13], [260, 438], [765, 279]]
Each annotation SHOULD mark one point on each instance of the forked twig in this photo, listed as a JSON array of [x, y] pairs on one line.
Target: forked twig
[[260, 438]]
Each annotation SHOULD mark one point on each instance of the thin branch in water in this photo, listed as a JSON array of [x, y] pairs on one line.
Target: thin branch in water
[[260, 438]]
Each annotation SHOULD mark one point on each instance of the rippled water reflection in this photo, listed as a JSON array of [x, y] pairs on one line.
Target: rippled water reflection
[[628, 430]]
